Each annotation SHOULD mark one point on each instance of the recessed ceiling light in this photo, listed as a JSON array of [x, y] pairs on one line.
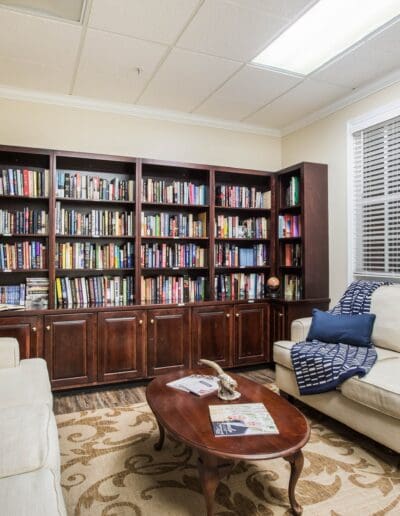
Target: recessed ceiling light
[[71, 10], [328, 28]]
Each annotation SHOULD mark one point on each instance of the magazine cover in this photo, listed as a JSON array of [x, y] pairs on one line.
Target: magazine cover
[[241, 419], [196, 383]]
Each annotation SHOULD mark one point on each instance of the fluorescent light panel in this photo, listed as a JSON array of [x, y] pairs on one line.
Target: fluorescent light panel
[[70, 10], [328, 28]]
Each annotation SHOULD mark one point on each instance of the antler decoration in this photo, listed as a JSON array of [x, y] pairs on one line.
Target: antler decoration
[[226, 384]]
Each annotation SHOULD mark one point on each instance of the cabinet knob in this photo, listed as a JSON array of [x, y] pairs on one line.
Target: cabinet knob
[[140, 321], [228, 315], [34, 329], [48, 328], [237, 315], [280, 314], [151, 321]]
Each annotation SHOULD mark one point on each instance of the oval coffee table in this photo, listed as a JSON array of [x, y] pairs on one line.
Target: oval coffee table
[[186, 417]]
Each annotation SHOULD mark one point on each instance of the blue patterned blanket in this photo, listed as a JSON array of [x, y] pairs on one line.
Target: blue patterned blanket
[[321, 366]]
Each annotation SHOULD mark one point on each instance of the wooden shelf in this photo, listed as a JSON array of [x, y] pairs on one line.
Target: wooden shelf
[[266, 211], [241, 267], [172, 269], [25, 235], [250, 240], [23, 198], [28, 271], [170, 206], [170, 238], [71, 200], [93, 271], [91, 237]]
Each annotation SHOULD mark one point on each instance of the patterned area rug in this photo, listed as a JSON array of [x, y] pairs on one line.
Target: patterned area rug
[[109, 468]]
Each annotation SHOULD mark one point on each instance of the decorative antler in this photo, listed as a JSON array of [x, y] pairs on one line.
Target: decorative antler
[[226, 384]]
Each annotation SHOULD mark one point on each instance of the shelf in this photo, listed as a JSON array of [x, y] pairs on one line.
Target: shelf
[[10, 271], [250, 240], [71, 200], [168, 205], [241, 267], [290, 239], [252, 210], [118, 237], [170, 238], [290, 267], [93, 271], [172, 269], [290, 209], [23, 198], [25, 235]]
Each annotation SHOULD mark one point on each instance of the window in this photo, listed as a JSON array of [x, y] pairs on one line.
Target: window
[[376, 200]]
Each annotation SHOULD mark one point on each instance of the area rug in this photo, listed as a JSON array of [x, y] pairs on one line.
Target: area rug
[[109, 468]]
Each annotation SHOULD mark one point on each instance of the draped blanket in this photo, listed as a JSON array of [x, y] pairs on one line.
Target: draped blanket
[[322, 366]]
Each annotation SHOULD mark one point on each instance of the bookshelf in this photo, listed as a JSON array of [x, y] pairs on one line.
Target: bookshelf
[[125, 268]]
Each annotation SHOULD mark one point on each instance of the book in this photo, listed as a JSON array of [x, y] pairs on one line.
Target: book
[[240, 419], [201, 385]]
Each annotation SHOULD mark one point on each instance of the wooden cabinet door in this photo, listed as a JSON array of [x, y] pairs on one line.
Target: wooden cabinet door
[[28, 330], [212, 334], [252, 334], [278, 325], [121, 345], [168, 340], [70, 349]]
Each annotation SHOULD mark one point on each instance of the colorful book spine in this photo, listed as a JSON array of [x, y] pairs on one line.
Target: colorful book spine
[[242, 197], [12, 294], [292, 194], [292, 287], [239, 286], [173, 192], [23, 255], [173, 289], [174, 225], [24, 182], [87, 255], [289, 226], [26, 221], [231, 255], [238, 227], [162, 255], [81, 185]]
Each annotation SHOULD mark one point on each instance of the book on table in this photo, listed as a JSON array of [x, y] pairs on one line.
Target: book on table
[[201, 385], [240, 419]]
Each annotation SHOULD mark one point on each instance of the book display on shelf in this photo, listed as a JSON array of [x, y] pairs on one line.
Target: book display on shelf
[[238, 286], [178, 225], [25, 182], [23, 255], [13, 294], [292, 287], [289, 226], [231, 255], [88, 255], [292, 255], [292, 192], [23, 222], [37, 293], [163, 255], [173, 192], [242, 197], [239, 227], [173, 289]]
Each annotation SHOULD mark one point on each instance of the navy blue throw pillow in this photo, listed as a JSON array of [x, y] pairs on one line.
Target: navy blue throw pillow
[[347, 329]]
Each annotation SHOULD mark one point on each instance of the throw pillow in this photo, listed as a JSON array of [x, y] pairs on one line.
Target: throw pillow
[[347, 329]]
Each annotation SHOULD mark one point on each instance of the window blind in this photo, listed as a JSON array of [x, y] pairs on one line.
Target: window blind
[[376, 191]]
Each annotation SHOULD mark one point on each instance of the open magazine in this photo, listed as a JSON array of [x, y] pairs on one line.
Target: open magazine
[[239, 419], [198, 384]]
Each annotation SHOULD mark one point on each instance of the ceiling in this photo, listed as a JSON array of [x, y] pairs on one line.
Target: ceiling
[[188, 56]]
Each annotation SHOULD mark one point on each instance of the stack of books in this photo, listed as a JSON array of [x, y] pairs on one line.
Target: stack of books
[[37, 293]]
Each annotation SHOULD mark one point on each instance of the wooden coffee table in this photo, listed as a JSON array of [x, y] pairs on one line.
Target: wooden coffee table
[[186, 417]]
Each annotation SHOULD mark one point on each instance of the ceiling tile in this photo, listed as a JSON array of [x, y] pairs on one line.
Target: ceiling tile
[[108, 66], [283, 8], [155, 20], [185, 79], [248, 90], [369, 61], [37, 53], [304, 99], [226, 29]]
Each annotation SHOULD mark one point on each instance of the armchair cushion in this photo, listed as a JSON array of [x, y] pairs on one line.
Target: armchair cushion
[[9, 352]]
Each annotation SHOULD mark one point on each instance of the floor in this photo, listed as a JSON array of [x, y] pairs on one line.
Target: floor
[[127, 394]]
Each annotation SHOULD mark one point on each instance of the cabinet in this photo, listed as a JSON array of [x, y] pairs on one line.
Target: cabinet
[[28, 330], [212, 334], [70, 349], [251, 334], [121, 345], [168, 340]]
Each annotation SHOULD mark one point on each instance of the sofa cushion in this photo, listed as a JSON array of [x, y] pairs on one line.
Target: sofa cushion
[[28, 440], [37, 493], [25, 384], [379, 389], [385, 305]]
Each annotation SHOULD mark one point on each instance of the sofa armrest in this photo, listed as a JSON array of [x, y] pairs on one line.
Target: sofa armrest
[[299, 329], [9, 352]]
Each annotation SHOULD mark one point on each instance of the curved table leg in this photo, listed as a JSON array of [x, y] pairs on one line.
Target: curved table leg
[[160, 442], [209, 478], [296, 465]]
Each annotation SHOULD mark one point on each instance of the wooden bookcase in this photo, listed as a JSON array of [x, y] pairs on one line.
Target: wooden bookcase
[[153, 265]]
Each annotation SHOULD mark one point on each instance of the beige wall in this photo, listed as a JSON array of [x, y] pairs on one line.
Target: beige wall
[[65, 128], [325, 141]]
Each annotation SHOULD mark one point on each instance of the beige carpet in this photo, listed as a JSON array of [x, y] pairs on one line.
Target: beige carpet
[[109, 468]]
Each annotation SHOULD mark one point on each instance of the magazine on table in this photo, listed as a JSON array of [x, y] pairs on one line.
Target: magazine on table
[[201, 385], [240, 419]]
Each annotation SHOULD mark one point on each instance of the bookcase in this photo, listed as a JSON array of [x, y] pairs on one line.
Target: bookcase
[[132, 267]]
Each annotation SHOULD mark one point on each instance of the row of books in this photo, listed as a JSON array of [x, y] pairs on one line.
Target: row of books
[[174, 225], [231, 255], [12, 294], [237, 227], [173, 192], [94, 291], [23, 255], [173, 289], [292, 287], [94, 222], [173, 255], [80, 185], [37, 293], [292, 192], [242, 197], [86, 255], [24, 182], [239, 286], [23, 221], [292, 255], [289, 226]]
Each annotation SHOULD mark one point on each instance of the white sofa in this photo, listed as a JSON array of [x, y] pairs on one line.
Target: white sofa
[[29, 451], [369, 405]]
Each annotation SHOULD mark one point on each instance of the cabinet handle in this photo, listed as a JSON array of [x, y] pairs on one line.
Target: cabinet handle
[[228, 315], [237, 315], [280, 314], [34, 329], [140, 321], [48, 328], [151, 321]]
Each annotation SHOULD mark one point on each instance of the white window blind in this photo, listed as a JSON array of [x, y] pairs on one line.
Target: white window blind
[[376, 190]]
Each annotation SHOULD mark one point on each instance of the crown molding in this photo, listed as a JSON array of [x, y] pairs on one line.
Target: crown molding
[[132, 110], [358, 94]]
